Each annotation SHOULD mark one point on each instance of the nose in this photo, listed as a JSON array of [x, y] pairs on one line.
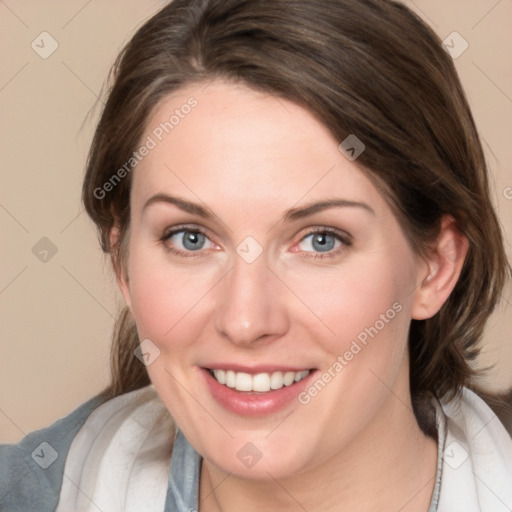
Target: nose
[[250, 305]]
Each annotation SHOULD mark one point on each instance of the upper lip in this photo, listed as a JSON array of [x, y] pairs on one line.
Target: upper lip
[[255, 369]]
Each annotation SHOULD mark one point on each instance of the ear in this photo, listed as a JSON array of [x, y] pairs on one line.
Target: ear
[[440, 271], [119, 265]]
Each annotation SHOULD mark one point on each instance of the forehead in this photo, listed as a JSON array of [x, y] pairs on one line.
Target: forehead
[[226, 142]]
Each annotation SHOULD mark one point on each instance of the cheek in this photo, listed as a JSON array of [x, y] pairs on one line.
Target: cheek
[[367, 308], [166, 300], [362, 304]]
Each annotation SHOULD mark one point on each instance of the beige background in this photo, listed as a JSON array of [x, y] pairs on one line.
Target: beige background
[[57, 316]]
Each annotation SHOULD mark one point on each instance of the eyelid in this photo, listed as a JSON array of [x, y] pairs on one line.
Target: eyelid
[[179, 228], [170, 231], [343, 237]]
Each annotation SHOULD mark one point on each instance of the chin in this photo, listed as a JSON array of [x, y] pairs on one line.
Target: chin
[[256, 457]]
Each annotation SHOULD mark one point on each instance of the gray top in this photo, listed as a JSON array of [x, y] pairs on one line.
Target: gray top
[[32, 471]]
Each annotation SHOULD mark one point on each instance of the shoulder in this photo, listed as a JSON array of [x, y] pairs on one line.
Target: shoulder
[[477, 457], [31, 470], [121, 455]]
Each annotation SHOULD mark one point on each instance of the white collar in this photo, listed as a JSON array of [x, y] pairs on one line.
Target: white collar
[[119, 460], [477, 458]]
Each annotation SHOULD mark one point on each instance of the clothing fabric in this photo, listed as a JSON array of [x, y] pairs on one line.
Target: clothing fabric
[[126, 454], [119, 460]]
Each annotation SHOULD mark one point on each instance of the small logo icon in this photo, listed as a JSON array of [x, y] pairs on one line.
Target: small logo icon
[[455, 45], [249, 249], [44, 45], [44, 250], [249, 455], [455, 455], [45, 455], [351, 147], [146, 352]]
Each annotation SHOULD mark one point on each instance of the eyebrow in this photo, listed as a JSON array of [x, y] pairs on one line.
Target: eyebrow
[[182, 204], [310, 209], [290, 215]]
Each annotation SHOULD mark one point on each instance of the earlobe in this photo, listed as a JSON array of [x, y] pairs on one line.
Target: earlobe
[[439, 276], [124, 286]]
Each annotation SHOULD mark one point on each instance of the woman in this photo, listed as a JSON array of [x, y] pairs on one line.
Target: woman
[[296, 205]]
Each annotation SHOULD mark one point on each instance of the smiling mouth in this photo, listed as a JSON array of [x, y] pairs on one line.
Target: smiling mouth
[[260, 382]]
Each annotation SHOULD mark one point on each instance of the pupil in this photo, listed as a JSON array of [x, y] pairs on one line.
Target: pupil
[[324, 242], [192, 240]]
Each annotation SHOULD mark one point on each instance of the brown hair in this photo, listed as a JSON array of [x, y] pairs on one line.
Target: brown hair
[[366, 67]]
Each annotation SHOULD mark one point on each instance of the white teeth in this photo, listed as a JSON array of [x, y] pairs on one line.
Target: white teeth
[[261, 382], [243, 382], [230, 379], [301, 375], [220, 375], [289, 378], [276, 380]]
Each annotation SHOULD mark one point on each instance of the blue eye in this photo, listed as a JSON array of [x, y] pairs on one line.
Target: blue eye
[[324, 243], [183, 240], [189, 242]]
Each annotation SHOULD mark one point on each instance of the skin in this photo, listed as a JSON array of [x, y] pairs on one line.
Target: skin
[[354, 446]]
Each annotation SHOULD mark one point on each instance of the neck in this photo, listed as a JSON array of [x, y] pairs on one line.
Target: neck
[[390, 465]]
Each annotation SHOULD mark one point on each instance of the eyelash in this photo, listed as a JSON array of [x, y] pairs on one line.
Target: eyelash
[[178, 252], [344, 238]]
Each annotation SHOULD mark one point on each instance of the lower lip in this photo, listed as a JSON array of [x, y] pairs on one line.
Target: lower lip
[[253, 403]]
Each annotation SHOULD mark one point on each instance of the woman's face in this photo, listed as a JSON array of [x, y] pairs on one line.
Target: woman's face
[[258, 251]]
